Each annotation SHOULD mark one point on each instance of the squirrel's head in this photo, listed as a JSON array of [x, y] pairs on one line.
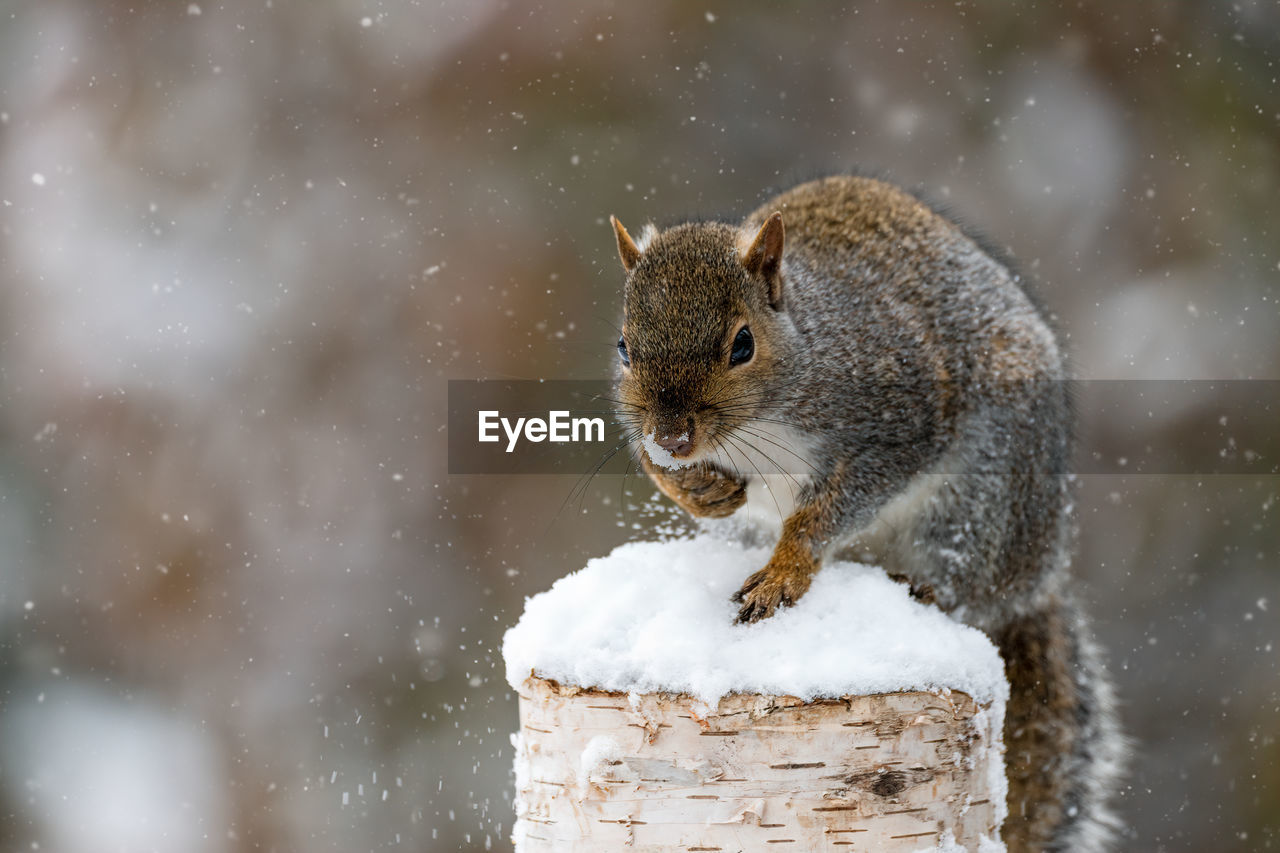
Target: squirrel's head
[[703, 332]]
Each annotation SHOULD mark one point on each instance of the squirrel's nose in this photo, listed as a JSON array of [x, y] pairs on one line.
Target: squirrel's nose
[[676, 446]]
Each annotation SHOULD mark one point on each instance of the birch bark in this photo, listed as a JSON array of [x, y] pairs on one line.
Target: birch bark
[[603, 771]]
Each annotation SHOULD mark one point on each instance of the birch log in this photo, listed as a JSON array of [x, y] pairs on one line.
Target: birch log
[[602, 771]]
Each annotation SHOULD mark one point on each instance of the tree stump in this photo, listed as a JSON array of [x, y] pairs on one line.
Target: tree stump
[[857, 720], [603, 771]]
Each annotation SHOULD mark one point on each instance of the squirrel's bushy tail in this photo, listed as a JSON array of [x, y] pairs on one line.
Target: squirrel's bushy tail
[[1064, 751]]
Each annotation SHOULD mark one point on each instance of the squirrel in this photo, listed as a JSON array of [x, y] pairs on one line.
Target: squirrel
[[872, 379]]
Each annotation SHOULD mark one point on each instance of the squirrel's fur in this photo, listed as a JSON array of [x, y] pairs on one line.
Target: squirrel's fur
[[901, 395]]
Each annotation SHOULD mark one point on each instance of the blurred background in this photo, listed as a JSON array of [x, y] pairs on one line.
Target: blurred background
[[244, 245]]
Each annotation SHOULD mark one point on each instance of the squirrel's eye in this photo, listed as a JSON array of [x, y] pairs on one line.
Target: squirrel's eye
[[622, 352], [744, 346]]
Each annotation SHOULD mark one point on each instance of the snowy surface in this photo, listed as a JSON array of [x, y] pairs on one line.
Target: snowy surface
[[657, 616]]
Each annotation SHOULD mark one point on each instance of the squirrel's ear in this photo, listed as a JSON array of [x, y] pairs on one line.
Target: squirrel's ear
[[627, 249], [764, 257]]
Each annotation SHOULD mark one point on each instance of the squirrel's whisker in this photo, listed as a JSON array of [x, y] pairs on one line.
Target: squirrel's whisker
[[764, 437], [795, 484]]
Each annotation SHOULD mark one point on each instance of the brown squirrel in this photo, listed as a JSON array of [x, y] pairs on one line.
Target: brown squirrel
[[873, 380]]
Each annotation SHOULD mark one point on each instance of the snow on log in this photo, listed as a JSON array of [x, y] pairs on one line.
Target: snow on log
[[857, 720]]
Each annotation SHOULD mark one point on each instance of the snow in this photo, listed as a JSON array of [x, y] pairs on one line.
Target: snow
[[947, 844], [600, 750], [95, 771], [659, 455], [657, 617]]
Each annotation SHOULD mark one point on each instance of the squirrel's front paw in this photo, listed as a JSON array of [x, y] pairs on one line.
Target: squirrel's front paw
[[776, 585], [713, 493], [703, 490]]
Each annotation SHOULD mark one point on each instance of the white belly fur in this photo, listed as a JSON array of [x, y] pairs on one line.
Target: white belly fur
[[771, 494], [776, 462]]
